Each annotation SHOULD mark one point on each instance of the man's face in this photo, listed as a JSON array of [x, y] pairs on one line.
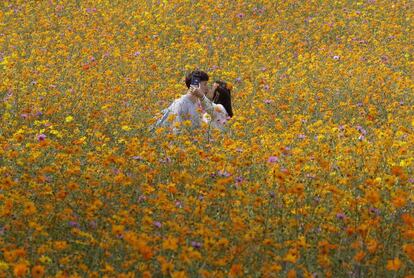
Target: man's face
[[210, 93], [203, 87]]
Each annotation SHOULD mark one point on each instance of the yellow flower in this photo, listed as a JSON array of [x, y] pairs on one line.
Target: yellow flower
[[394, 265], [3, 265], [118, 229], [5, 61], [166, 266], [275, 268], [170, 243], [45, 259], [292, 255], [69, 119], [108, 268], [126, 128], [229, 86]]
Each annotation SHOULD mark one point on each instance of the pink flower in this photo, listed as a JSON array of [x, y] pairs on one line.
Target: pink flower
[[223, 173], [340, 215], [273, 159], [41, 137]]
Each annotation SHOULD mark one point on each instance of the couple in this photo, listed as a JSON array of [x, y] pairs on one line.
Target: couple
[[214, 102]]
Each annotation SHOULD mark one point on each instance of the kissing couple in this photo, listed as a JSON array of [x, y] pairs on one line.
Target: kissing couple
[[201, 103]]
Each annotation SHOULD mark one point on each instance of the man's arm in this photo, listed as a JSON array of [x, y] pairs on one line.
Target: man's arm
[[207, 105]]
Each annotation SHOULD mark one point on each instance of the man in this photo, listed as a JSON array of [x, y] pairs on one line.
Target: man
[[186, 107]]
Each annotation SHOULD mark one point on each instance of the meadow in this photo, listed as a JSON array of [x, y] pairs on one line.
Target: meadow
[[313, 177]]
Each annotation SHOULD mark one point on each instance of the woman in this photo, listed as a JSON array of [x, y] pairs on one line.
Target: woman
[[217, 105]]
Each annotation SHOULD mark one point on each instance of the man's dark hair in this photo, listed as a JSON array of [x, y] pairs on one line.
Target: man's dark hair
[[222, 96], [197, 73]]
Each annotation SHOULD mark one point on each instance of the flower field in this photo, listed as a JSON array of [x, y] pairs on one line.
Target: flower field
[[313, 177]]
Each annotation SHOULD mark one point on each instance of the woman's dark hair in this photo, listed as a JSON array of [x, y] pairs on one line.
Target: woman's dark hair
[[198, 73], [222, 96]]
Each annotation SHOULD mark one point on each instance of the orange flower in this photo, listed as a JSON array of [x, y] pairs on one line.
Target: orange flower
[[291, 273], [60, 245], [397, 170], [38, 271], [409, 250], [372, 245], [409, 234], [10, 256], [408, 219], [20, 252], [359, 256], [236, 270], [73, 186], [373, 196], [399, 201], [324, 261], [145, 251], [146, 274], [20, 270], [298, 190], [29, 208]]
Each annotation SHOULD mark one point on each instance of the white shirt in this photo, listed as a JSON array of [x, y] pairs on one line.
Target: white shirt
[[184, 108]]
